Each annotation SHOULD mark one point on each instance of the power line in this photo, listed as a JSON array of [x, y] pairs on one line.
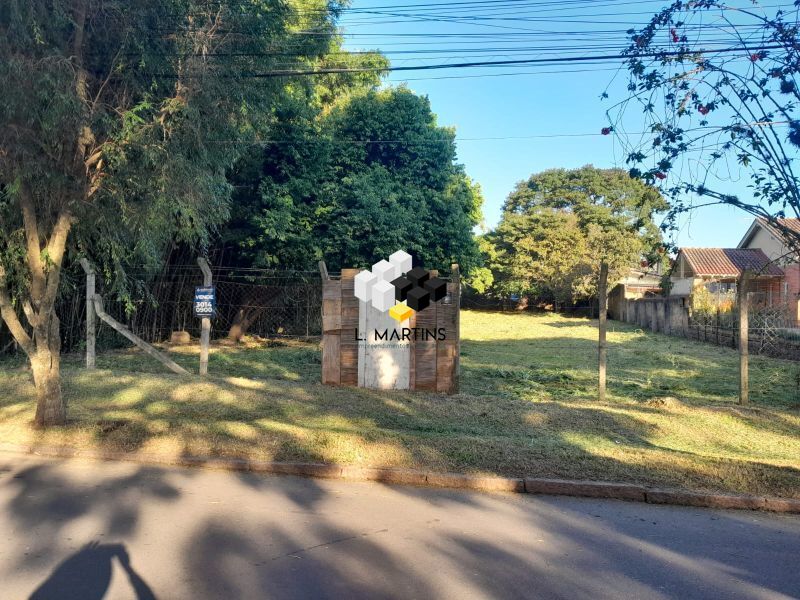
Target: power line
[[492, 63]]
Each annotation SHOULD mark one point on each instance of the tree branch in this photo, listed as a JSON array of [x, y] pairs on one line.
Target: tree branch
[[10, 316], [34, 250], [55, 252]]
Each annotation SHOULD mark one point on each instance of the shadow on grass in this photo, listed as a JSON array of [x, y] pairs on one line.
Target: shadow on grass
[[527, 406]]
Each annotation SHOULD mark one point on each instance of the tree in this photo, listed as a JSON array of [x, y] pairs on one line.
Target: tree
[[717, 88], [117, 124], [559, 225], [354, 176], [539, 254]]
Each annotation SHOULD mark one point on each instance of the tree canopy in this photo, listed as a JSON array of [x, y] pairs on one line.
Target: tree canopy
[[118, 124], [371, 174], [558, 226]]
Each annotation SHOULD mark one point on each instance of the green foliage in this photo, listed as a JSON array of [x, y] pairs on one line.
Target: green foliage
[[705, 112], [704, 301], [127, 117], [560, 224], [481, 278], [355, 181]]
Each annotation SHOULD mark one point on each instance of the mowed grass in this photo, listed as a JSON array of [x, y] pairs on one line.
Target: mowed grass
[[527, 406]]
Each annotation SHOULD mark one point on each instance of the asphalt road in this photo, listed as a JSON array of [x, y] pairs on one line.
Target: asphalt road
[[88, 530]]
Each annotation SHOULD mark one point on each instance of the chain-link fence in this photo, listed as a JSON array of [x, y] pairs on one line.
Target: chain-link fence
[[250, 302], [772, 325]]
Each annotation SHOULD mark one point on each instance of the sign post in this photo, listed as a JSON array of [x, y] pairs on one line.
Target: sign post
[[205, 307]]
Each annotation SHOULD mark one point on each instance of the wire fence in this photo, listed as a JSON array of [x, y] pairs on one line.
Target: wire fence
[[772, 327], [264, 303], [250, 302]]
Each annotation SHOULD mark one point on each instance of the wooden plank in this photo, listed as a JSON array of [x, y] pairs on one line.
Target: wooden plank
[[743, 297], [119, 327], [331, 360], [425, 351], [205, 322], [331, 315], [349, 342], [447, 349], [445, 366], [412, 356], [331, 289], [91, 327], [602, 296], [454, 290], [362, 345]]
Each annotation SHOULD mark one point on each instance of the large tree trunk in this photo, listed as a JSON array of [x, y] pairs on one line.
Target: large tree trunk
[[46, 219], [46, 367], [50, 406], [42, 342]]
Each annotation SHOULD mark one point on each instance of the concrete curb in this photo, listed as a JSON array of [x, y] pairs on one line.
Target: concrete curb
[[589, 489], [530, 485]]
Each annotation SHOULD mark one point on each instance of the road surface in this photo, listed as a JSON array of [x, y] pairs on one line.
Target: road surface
[[89, 530]]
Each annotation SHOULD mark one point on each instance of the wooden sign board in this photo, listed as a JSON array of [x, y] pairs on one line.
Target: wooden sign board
[[353, 354]]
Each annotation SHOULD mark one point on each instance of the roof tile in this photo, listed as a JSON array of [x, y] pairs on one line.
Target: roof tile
[[729, 262]]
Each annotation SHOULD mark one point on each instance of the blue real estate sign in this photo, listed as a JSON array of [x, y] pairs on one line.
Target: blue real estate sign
[[205, 302]]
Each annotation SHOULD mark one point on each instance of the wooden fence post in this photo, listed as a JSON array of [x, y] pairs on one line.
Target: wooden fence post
[[91, 327], [602, 289], [455, 277], [116, 325], [742, 290], [205, 324]]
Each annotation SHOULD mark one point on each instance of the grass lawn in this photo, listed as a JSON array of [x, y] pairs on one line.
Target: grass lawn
[[526, 407]]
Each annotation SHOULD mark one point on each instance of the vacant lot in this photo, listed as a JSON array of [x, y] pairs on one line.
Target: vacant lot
[[526, 407]]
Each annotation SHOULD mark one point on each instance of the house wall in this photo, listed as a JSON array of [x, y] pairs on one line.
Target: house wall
[[792, 279], [772, 247], [616, 297], [682, 286], [769, 291], [776, 250]]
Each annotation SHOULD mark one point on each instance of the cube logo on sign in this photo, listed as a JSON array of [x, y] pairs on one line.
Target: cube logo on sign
[[396, 286]]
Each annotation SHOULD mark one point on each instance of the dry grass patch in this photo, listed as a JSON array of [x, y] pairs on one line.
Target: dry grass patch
[[526, 407]]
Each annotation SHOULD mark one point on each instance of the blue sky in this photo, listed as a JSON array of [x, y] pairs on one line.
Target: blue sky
[[544, 101]]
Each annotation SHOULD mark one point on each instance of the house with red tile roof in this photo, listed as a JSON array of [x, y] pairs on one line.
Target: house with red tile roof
[[766, 237], [718, 269]]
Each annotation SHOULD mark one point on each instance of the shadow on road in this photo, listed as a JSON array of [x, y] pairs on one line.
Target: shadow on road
[[86, 575], [208, 534]]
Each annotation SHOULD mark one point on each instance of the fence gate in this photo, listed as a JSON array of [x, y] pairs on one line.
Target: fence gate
[[364, 347]]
